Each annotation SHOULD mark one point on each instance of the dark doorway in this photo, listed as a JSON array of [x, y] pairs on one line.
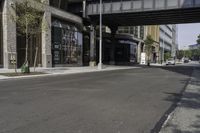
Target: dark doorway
[[122, 53], [34, 47], [86, 49]]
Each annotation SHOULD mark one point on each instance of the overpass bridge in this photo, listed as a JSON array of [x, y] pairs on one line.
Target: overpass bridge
[[144, 12]]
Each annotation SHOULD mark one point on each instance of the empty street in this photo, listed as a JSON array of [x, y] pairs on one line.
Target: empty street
[[121, 101]]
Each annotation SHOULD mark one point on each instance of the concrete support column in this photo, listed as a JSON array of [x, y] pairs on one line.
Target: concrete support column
[[138, 32], [84, 8], [112, 50], [46, 40], [139, 52], [9, 36], [92, 46]]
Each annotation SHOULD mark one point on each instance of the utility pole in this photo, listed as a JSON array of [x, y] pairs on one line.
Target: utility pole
[[100, 65], [163, 53]]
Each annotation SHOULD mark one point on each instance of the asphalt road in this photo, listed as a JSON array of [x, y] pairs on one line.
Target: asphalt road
[[123, 101]]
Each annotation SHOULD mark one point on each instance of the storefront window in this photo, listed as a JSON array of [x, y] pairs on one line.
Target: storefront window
[[67, 44], [133, 53]]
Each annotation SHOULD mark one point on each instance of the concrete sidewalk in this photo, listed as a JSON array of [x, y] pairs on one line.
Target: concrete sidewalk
[[157, 64], [64, 71], [186, 117]]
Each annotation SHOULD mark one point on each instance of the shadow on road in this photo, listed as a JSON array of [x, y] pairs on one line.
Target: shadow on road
[[184, 70], [189, 104], [188, 100]]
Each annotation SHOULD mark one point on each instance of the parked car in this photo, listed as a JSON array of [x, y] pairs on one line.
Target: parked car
[[186, 60], [170, 61]]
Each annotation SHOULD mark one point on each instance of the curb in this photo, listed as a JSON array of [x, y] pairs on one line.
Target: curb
[[67, 73]]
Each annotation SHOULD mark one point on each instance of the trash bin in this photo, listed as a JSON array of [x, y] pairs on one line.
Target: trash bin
[[25, 69]]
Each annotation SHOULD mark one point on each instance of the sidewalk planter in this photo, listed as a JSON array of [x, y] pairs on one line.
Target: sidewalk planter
[[25, 69], [92, 63]]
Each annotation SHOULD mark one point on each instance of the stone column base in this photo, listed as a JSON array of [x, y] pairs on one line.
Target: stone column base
[[112, 62], [10, 59], [92, 63], [46, 61]]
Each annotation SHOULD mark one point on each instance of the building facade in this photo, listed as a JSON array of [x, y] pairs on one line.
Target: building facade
[[194, 46], [168, 40], [165, 37], [71, 39], [58, 44], [140, 32], [154, 32]]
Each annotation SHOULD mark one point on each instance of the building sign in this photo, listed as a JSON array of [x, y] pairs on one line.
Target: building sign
[[143, 58]]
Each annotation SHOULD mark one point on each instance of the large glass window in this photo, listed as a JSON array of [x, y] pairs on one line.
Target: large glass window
[[66, 43], [62, 4]]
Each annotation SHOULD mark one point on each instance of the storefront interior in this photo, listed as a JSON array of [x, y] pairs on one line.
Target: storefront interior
[[34, 50], [67, 44]]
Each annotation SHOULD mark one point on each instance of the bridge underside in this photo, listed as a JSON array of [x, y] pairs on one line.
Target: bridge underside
[[172, 16]]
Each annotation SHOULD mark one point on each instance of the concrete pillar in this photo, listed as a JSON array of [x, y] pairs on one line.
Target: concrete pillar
[[9, 36], [139, 52], [138, 32], [1, 37], [46, 39], [112, 50], [84, 8], [92, 46]]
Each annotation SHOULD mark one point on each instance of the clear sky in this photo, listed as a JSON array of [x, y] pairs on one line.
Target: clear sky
[[187, 34]]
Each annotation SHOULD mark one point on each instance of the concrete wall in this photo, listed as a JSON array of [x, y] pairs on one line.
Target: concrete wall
[[1, 36], [9, 35]]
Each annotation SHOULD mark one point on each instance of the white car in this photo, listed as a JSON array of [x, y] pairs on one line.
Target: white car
[[170, 61]]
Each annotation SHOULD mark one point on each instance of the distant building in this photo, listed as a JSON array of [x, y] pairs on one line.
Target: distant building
[[138, 33], [194, 46], [168, 40], [155, 33], [165, 37]]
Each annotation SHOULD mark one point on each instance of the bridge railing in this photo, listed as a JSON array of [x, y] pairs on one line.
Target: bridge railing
[[140, 5]]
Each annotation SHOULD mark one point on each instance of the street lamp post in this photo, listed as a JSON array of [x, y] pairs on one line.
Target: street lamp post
[[100, 65], [163, 51]]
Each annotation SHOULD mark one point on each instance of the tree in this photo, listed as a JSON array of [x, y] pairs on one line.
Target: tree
[[198, 40], [193, 54], [188, 53], [180, 54], [148, 46], [167, 56], [28, 18]]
